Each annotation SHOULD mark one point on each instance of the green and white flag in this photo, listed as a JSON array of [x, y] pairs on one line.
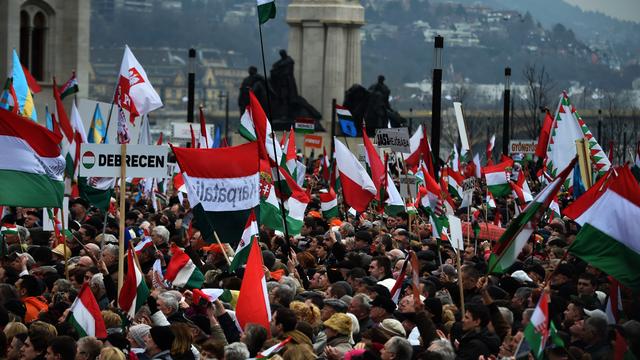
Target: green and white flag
[[266, 10], [540, 329]]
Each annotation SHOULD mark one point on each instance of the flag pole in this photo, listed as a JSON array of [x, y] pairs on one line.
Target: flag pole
[[273, 142], [123, 190], [224, 251]]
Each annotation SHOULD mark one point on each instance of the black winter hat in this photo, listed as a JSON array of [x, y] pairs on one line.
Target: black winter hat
[[162, 336]]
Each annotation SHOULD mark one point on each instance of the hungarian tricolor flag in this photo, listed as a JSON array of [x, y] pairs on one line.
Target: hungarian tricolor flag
[[181, 271], [70, 87], [375, 167], [270, 213], [248, 235], [296, 206], [541, 329], [519, 231], [497, 177], [266, 10], [85, 316], [490, 145], [329, 203], [134, 92], [254, 126], [420, 149], [223, 187], [608, 213], [543, 139], [253, 301], [268, 353], [357, 187], [31, 166], [134, 291]]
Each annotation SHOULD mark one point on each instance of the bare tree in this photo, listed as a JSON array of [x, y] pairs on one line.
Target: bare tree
[[539, 94]]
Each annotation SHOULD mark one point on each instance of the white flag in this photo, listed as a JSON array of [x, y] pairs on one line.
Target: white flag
[[134, 92]]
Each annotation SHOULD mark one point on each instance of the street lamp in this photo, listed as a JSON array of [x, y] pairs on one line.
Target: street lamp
[[191, 84], [225, 95], [505, 119], [436, 103]]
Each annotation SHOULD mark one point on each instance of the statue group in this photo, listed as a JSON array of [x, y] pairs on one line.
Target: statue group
[[279, 96]]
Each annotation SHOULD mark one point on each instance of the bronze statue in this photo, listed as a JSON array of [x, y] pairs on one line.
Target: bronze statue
[[256, 83]]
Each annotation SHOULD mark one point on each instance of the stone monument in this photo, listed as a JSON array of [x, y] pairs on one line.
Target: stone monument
[[324, 42]]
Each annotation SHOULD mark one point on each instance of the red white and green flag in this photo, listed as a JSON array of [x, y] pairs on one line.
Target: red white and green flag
[[329, 203], [497, 177], [274, 349], [270, 213], [134, 291], [295, 207], [85, 314], [181, 271], [608, 214], [541, 329], [375, 167], [31, 166], [266, 10], [222, 193], [254, 126], [253, 301], [515, 237], [490, 145], [305, 125], [420, 149], [70, 87], [357, 187], [249, 234]]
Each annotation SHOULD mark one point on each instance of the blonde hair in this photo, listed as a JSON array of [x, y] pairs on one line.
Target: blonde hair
[[111, 319], [43, 326], [111, 353], [183, 338], [15, 328], [309, 313]]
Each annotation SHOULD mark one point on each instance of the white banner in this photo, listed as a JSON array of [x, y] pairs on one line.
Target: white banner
[[522, 146], [103, 160], [225, 194], [462, 130], [181, 130], [47, 223], [455, 227]]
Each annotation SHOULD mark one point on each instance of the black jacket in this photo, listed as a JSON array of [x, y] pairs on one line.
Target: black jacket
[[478, 342]]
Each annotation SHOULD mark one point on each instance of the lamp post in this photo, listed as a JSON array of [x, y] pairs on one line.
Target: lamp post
[[225, 95], [191, 84], [507, 104], [436, 103]]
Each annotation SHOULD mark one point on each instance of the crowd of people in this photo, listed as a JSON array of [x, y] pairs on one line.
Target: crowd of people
[[330, 291]]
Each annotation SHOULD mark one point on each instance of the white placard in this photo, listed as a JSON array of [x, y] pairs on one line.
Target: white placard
[[522, 146], [397, 139], [103, 160], [182, 130], [457, 107], [47, 223], [455, 227]]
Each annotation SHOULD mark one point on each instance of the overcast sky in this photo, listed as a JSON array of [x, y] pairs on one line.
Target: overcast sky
[[622, 9]]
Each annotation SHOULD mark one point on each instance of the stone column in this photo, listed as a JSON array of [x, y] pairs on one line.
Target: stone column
[[295, 51], [334, 68], [311, 64], [353, 60]]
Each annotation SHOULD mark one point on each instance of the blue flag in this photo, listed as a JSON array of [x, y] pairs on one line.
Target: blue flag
[[348, 128], [98, 129], [217, 138], [47, 116], [578, 185]]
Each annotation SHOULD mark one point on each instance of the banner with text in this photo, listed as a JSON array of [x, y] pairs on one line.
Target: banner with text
[[104, 160]]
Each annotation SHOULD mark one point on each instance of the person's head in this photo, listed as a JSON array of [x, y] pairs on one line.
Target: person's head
[[254, 336], [338, 325], [396, 348], [35, 345], [307, 312], [15, 346], [476, 316], [236, 351], [400, 236], [284, 320], [110, 254], [136, 335], [212, 349], [281, 294], [587, 284], [28, 285], [574, 312], [332, 306], [253, 70], [470, 276], [111, 353], [381, 308], [31, 220], [183, 337], [520, 299], [360, 306], [443, 348], [380, 267], [61, 348], [381, 78], [160, 235], [595, 329], [15, 328], [160, 339], [406, 304], [167, 303], [88, 348]]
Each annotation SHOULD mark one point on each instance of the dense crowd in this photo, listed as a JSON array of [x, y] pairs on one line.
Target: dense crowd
[[330, 291]]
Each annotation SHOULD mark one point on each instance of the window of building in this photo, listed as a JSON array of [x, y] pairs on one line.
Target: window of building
[[35, 17]]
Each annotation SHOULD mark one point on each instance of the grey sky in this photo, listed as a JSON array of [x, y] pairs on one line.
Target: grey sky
[[622, 9]]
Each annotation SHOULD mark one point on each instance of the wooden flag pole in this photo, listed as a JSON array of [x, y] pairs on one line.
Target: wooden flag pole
[[460, 280], [224, 252], [123, 191]]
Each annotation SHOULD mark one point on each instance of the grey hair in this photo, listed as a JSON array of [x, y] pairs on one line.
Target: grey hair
[[523, 292], [23, 232], [365, 301], [162, 231], [527, 313], [91, 345], [285, 294], [236, 351], [401, 347], [289, 281], [348, 228], [271, 285], [64, 285], [111, 248], [507, 314], [97, 280], [443, 348], [106, 238], [169, 300]]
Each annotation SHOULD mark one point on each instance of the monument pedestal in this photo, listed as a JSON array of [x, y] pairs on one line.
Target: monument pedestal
[[324, 42]]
